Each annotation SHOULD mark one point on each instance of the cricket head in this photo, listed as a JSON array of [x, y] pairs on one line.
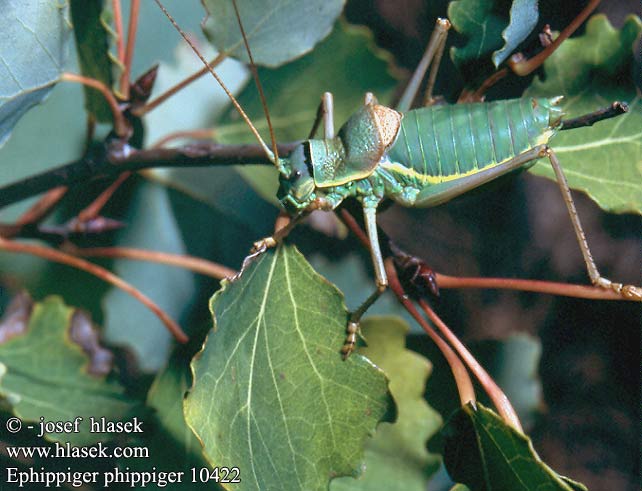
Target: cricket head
[[296, 183]]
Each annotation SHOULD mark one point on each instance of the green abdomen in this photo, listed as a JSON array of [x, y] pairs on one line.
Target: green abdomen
[[453, 140]]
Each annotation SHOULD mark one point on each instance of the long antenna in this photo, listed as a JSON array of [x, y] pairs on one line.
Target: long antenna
[[257, 80], [271, 155]]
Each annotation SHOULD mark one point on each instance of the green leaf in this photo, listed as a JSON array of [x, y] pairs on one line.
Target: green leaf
[[523, 19], [127, 322], [484, 453], [482, 23], [396, 457], [294, 92], [45, 372], [271, 393], [591, 71], [94, 38], [277, 31], [41, 29]]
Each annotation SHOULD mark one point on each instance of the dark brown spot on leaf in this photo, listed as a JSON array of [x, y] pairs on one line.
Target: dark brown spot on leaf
[[84, 334], [15, 320]]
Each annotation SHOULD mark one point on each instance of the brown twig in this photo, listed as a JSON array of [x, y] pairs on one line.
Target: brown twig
[[121, 128], [524, 67], [129, 52], [118, 25], [42, 207], [192, 263], [462, 379], [536, 286], [98, 271], [93, 209], [496, 394], [199, 134], [151, 105], [125, 158]]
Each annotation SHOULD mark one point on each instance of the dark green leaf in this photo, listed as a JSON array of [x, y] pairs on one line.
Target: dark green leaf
[[94, 39], [271, 393], [396, 457], [277, 31], [482, 24], [43, 372], [41, 30], [592, 71], [486, 454], [523, 19]]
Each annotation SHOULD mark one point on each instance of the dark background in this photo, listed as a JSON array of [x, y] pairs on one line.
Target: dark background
[[589, 423]]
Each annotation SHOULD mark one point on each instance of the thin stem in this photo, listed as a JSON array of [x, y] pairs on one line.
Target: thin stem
[[524, 67], [118, 25], [142, 110], [536, 286], [478, 95], [462, 379], [134, 9], [200, 134], [496, 394], [93, 209], [192, 263], [120, 125], [43, 207], [98, 271]]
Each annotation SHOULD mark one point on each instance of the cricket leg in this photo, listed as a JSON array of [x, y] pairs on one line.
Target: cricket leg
[[325, 112], [433, 54], [629, 292], [370, 216]]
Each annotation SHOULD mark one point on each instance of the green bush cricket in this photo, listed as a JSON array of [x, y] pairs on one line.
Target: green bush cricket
[[418, 158]]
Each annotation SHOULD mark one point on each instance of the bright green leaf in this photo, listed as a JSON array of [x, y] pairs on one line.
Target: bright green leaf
[[396, 457], [486, 454], [41, 29], [277, 31], [47, 374], [271, 393], [523, 19], [94, 38], [294, 92], [592, 71]]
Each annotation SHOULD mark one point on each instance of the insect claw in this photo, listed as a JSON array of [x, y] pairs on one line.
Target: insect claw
[[628, 292], [351, 340], [631, 292], [259, 247]]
